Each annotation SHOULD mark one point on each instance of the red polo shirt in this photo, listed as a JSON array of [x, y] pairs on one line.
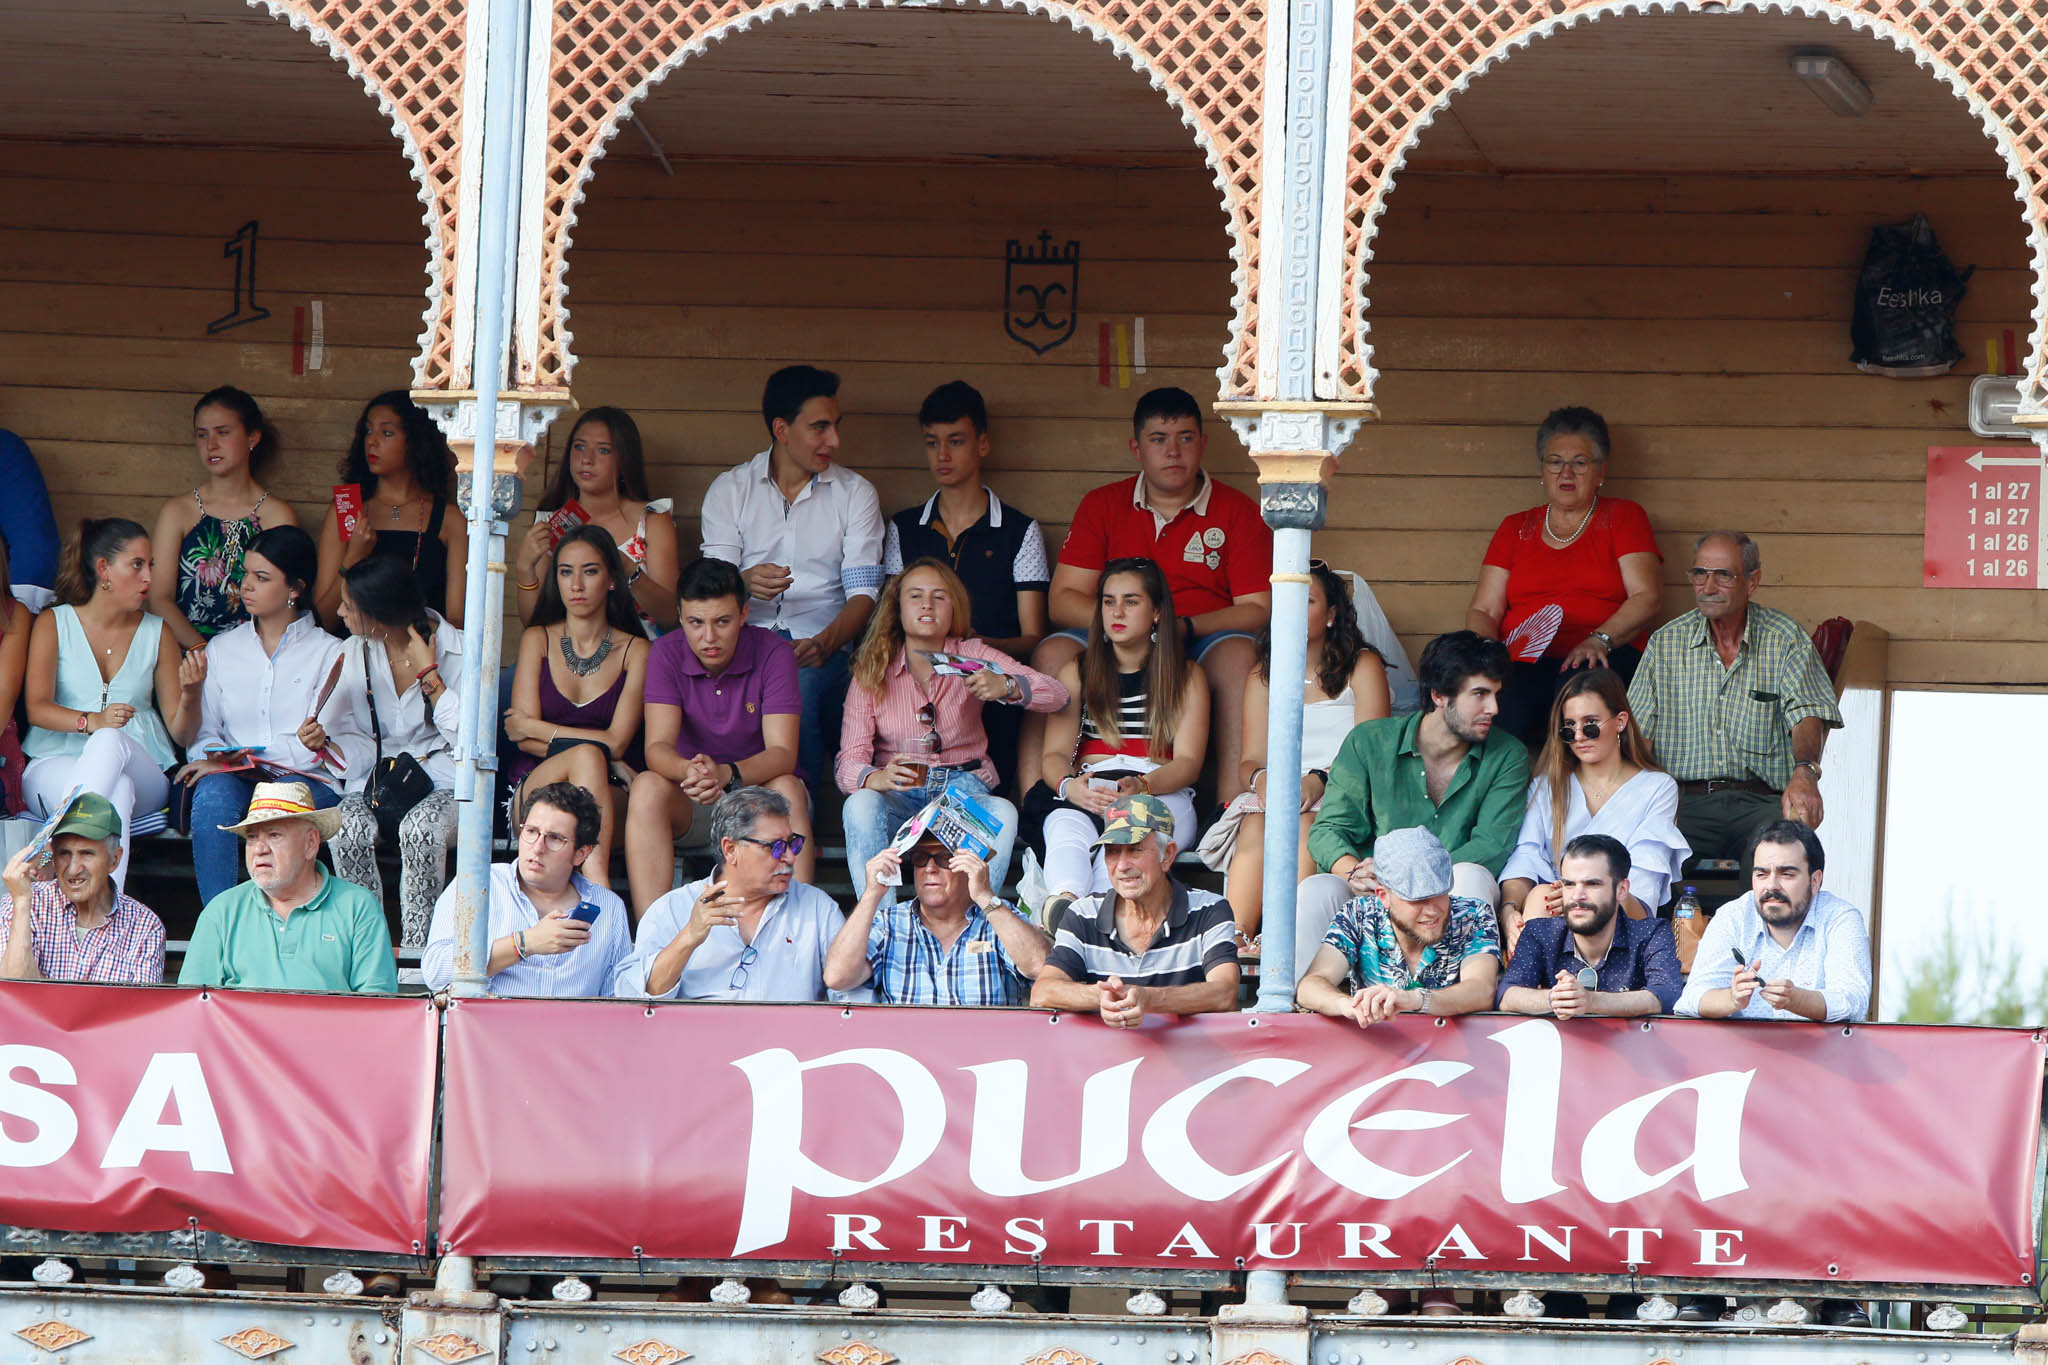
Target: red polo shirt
[[1216, 550]]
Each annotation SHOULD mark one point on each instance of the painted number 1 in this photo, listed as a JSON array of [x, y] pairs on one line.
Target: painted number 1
[[242, 248]]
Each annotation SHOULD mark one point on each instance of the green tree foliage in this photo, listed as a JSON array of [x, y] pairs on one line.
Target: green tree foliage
[[1971, 976]]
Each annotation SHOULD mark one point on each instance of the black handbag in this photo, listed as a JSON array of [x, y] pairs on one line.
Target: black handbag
[[398, 783]]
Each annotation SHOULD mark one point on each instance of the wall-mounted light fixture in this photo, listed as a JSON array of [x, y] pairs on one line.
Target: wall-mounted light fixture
[[1829, 77]]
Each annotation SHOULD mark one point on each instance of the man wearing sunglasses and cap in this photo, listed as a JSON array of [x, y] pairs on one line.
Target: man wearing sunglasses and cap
[[1149, 945], [954, 942], [750, 931], [1410, 947], [1593, 960], [71, 923], [293, 926]]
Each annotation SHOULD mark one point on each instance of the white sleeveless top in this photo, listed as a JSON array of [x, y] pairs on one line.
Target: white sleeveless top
[[1324, 725], [80, 688]]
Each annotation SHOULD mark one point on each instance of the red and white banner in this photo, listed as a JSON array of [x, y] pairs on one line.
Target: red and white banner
[[1784, 1151], [296, 1119]]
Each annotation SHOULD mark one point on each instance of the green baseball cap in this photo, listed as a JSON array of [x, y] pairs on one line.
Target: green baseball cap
[[1134, 818], [91, 816]]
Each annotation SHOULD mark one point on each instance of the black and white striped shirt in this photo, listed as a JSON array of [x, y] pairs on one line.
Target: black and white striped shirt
[[1199, 933]]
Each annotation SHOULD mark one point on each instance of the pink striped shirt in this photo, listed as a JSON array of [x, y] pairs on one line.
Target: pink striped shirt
[[877, 729]]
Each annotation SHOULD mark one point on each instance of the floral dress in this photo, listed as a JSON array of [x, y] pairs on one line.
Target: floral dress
[[210, 568]]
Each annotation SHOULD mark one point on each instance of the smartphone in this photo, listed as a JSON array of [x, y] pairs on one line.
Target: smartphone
[[586, 912]]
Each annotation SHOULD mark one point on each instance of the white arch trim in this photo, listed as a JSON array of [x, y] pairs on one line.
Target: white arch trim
[[1056, 10], [1876, 27], [431, 220]]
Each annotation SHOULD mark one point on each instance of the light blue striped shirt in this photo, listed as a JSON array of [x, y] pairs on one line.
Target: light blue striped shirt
[[584, 971], [1829, 954]]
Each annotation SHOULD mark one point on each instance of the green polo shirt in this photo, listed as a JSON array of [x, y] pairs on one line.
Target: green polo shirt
[[1378, 784], [335, 942]]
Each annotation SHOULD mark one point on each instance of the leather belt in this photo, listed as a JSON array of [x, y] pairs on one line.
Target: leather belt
[[1728, 784]]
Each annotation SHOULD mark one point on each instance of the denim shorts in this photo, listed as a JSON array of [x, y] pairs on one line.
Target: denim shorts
[[1197, 645]]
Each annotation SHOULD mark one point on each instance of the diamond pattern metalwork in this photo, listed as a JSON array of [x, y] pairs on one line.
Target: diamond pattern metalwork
[[1268, 1358], [52, 1335], [450, 1348], [1410, 58], [1061, 1355], [1207, 56], [651, 1352], [255, 1343]]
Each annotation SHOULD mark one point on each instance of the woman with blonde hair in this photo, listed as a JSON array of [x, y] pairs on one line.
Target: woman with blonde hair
[[1595, 775], [910, 731]]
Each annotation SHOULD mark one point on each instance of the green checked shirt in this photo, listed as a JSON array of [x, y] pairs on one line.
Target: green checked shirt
[[1377, 783], [1706, 721]]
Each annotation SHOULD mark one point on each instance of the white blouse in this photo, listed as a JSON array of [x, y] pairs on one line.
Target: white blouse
[[1642, 813], [251, 698], [409, 726]]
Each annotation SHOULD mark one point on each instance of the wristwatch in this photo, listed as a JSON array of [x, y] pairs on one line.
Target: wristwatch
[[1423, 1008], [1810, 766], [1604, 638], [735, 782]]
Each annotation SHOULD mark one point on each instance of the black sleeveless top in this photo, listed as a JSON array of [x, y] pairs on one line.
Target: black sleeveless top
[[427, 554]]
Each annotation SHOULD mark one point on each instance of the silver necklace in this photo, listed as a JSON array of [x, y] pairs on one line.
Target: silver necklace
[[581, 666]]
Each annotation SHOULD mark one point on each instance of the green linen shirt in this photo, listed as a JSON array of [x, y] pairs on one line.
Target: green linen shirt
[[1378, 783], [335, 942], [1706, 721]]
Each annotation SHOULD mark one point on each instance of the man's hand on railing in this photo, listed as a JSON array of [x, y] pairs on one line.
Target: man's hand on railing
[[1121, 1007]]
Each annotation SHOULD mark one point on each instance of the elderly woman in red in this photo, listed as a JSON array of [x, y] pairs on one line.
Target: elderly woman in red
[[911, 732], [1570, 583]]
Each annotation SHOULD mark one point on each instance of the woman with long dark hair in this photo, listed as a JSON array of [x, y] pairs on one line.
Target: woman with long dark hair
[[214, 523], [403, 661], [100, 664], [1596, 775], [400, 463], [578, 691], [911, 733], [1346, 684], [1137, 719], [258, 720], [605, 474]]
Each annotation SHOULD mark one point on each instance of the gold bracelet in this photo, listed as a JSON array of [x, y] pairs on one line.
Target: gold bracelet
[[534, 586]]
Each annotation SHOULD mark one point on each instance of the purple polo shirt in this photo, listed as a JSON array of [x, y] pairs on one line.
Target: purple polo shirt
[[722, 714]]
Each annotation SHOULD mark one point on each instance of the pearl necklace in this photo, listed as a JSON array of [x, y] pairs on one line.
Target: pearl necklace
[[1584, 522]]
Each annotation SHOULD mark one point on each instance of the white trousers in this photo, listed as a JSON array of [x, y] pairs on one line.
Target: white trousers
[[111, 765]]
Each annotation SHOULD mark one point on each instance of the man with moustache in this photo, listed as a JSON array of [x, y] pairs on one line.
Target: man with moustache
[[293, 926], [1786, 950], [1149, 945], [955, 942], [1737, 704], [1411, 946], [1593, 960], [74, 924], [1443, 769]]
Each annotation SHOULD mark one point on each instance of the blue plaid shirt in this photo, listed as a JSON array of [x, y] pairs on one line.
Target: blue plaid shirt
[[1364, 932], [910, 968]]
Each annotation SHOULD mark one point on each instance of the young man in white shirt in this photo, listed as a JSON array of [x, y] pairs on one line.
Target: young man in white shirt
[[807, 536]]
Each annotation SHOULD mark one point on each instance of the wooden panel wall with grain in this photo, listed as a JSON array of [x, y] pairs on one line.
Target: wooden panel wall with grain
[[1706, 316]]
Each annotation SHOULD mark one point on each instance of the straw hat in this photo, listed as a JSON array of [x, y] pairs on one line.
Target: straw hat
[[286, 801]]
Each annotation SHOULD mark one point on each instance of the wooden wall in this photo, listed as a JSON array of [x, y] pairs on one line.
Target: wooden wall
[[1708, 317]]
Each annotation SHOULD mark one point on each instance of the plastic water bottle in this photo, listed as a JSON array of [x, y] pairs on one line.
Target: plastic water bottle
[[1688, 906], [1687, 925]]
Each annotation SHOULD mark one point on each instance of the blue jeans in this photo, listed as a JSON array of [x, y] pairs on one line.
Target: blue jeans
[[872, 819], [823, 691], [223, 799], [1197, 646]]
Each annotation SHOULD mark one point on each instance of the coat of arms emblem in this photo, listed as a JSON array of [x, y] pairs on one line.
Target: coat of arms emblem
[[1040, 284]]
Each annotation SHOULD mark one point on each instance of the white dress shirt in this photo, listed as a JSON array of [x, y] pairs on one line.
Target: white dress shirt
[[253, 699], [785, 962], [584, 971], [1829, 954], [829, 538], [408, 725]]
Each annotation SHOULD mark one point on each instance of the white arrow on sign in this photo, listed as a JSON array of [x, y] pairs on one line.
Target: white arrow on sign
[[1980, 459]]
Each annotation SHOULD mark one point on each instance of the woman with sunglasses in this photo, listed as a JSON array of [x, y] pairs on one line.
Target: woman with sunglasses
[[1595, 776], [910, 732], [1568, 584], [1346, 685], [1137, 720]]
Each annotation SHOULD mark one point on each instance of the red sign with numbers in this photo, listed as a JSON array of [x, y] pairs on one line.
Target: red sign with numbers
[[1983, 517]]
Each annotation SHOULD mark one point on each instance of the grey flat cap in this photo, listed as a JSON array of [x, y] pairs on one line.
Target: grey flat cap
[[1412, 864]]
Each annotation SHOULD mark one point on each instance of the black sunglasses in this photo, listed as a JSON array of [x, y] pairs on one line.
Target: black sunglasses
[[1569, 731], [923, 857]]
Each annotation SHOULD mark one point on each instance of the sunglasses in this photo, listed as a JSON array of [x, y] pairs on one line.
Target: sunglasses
[[778, 849], [925, 857], [928, 716], [1721, 576], [1570, 731]]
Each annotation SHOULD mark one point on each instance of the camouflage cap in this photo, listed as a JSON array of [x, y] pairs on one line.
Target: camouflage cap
[[1134, 818]]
